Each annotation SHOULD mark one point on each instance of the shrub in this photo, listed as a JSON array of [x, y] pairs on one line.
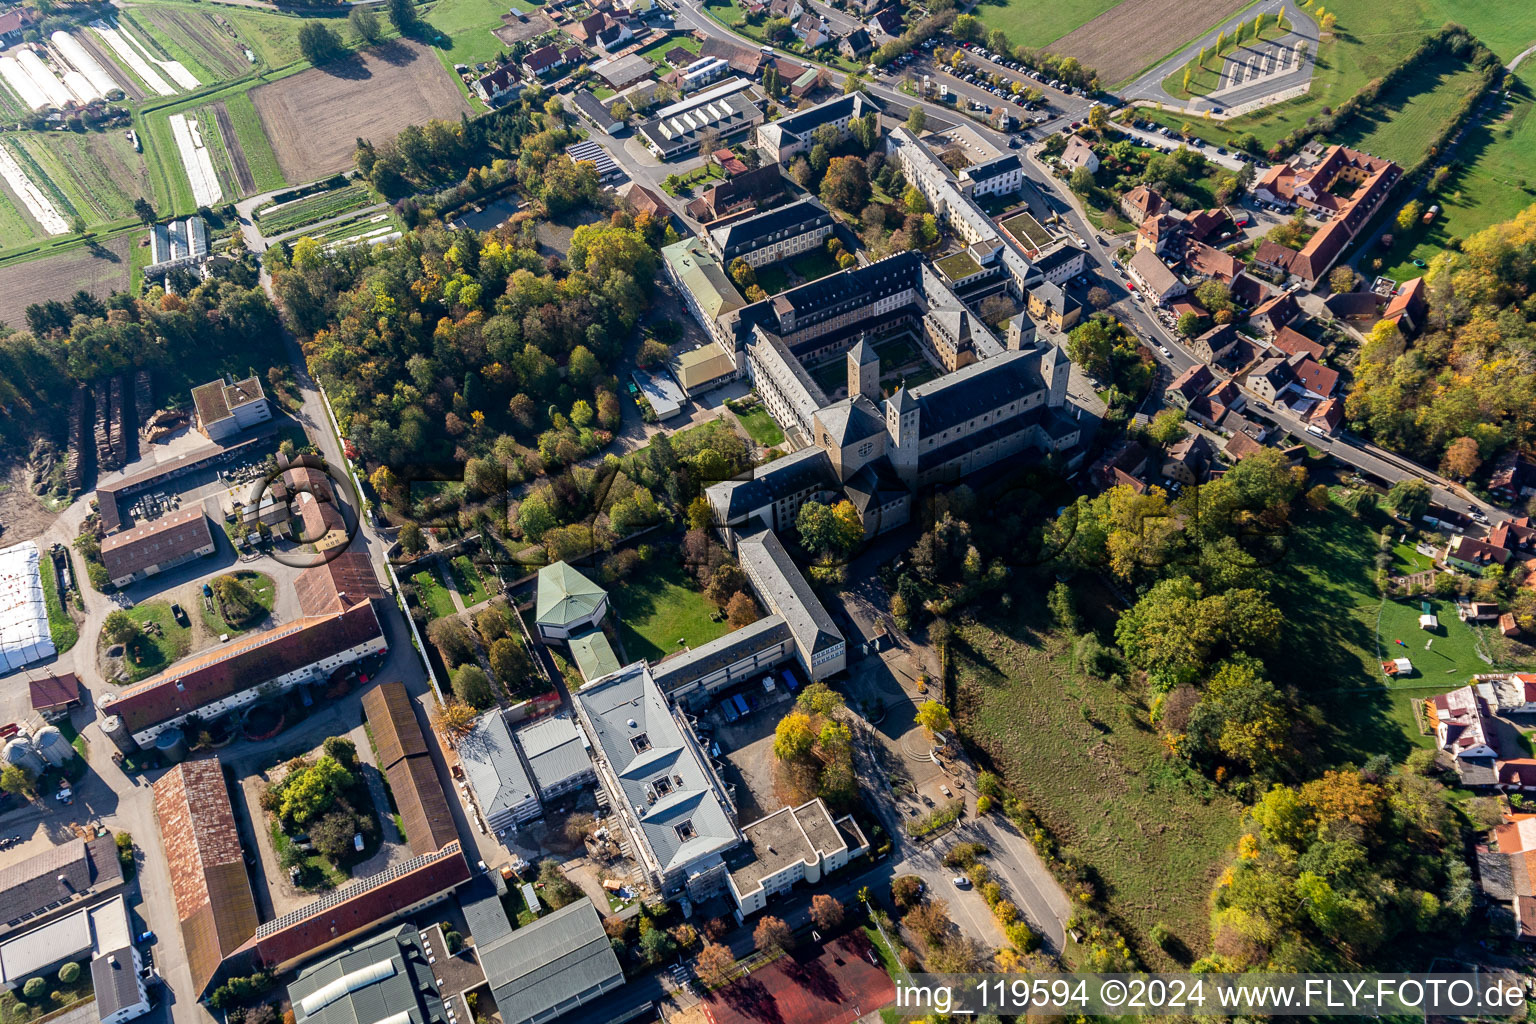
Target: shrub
[[69, 973], [991, 892], [983, 805], [34, 988], [1020, 937], [1005, 912], [908, 959], [963, 855], [906, 891]]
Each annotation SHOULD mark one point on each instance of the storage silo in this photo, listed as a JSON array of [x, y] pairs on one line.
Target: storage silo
[[52, 747], [171, 745], [112, 728], [20, 753]]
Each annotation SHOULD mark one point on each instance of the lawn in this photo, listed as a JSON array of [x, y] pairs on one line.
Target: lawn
[[1156, 835], [15, 227], [656, 52], [727, 12], [659, 607], [814, 265], [315, 872], [1491, 181], [61, 627], [262, 588], [1406, 559], [772, 280], [463, 28], [1036, 23], [1407, 118], [153, 651], [432, 594], [467, 578], [761, 426], [1448, 655]]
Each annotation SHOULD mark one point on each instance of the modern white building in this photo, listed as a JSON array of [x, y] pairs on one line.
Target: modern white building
[[789, 846]]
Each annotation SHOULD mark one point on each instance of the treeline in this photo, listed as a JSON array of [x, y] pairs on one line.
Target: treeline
[[1464, 390], [225, 324], [1450, 40], [435, 168]]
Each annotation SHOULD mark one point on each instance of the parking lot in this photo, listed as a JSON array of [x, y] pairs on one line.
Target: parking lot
[[742, 745]]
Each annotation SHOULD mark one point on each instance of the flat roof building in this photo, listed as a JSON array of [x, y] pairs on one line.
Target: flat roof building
[[552, 966], [24, 633], [726, 109], [225, 407], [48, 882], [793, 844], [557, 754]]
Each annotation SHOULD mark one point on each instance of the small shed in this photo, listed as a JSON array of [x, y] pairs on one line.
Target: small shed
[[1398, 667], [1429, 621]]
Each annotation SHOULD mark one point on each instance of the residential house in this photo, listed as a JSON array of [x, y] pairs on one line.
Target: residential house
[[1159, 233], [13, 25], [1214, 345], [1208, 263], [1275, 312], [1513, 478], [1293, 342], [886, 25], [756, 189], [1128, 464], [1079, 154], [1408, 307], [1464, 727], [1189, 461], [812, 31], [1474, 555], [643, 200], [543, 61], [1191, 384], [613, 36], [1002, 175], [1329, 415], [729, 163], [225, 407], [744, 60], [1241, 445], [1317, 380], [498, 86], [1209, 227], [1270, 377], [855, 44], [1273, 259], [1211, 408], [1140, 203], [1154, 278]]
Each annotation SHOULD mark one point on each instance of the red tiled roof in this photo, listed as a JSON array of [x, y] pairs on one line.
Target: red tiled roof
[[334, 918], [1203, 259], [1240, 446], [337, 584], [1520, 772], [1470, 549], [1291, 342], [52, 692], [163, 540], [214, 905], [1407, 298], [242, 664], [1280, 308], [12, 21], [1315, 376]]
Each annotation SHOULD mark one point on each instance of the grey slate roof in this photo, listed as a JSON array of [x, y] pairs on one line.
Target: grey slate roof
[[752, 233], [875, 484], [682, 669], [850, 421], [398, 981], [803, 122], [1064, 253], [494, 769], [594, 109], [786, 592], [116, 981], [995, 167], [555, 750], [863, 352], [533, 970], [807, 468], [484, 914], [672, 794], [980, 387], [29, 886]]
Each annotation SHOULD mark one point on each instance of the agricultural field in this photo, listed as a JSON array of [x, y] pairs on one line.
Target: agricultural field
[[276, 220], [100, 270], [1407, 118], [242, 129], [99, 172], [1038, 23], [16, 227], [463, 28], [314, 118], [366, 227], [1136, 34]]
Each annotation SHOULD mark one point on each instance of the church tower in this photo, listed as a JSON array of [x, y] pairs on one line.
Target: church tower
[[901, 425], [864, 371], [1055, 368]]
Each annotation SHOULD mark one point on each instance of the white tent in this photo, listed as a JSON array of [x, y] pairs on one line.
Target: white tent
[[24, 636]]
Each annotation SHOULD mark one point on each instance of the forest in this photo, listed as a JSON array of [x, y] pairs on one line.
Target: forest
[[1464, 390]]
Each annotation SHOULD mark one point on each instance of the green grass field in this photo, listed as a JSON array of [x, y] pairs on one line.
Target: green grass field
[[467, 578], [208, 127], [1448, 654], [465, 28], [656, 52], [1103, 785], [658, 607], [317, 207], [262, 588], [761, 426], [1492, 180], [173, 191], [1409, 117], [170, 45], [15, 227], [434, 597], [45, 182], [154, 653], [1036, 23]]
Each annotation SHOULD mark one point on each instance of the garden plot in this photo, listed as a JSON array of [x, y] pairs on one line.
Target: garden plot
[[138, 58], [197, 159], [37, 202]]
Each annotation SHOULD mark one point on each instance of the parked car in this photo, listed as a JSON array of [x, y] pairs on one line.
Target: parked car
[[961, 882]]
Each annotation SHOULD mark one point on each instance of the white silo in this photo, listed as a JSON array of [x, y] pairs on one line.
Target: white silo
[[19, 752], [51, 745]]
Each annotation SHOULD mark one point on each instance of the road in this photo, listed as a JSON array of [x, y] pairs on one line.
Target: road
[[1150, 85]]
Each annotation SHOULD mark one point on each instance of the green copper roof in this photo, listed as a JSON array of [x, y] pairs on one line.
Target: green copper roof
[[594, 655], [566, 596]]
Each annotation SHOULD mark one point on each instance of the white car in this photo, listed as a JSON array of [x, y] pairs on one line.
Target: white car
[[961, 882], [1164, 350]]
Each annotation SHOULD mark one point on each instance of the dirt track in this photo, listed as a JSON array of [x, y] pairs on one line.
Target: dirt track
[[59, 277], [315, 118], [1131, 35]]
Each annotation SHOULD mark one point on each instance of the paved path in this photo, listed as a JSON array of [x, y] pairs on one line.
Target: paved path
[[1150, 85]]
